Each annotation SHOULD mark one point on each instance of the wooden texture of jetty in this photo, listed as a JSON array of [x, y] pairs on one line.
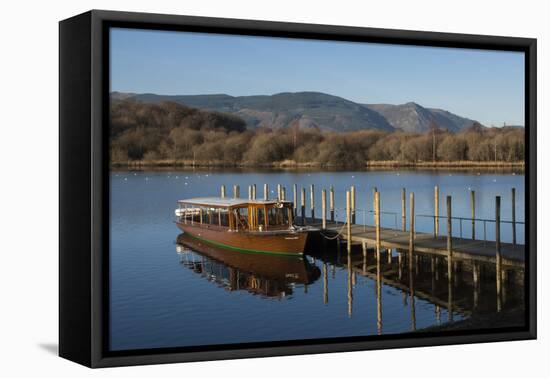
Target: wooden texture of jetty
[[479, 250]]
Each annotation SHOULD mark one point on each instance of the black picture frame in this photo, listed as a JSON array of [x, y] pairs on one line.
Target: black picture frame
[[84, 186]]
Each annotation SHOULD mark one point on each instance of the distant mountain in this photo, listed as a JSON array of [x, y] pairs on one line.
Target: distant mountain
[[412, 117], [314, 110], [307, 109]]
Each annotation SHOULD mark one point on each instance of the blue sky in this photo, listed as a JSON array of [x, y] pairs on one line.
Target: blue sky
[[484, 85]]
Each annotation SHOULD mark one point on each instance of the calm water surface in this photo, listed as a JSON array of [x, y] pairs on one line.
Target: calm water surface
[[169, 294]]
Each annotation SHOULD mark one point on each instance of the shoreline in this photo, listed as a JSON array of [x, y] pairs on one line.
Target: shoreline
[[370, 165]]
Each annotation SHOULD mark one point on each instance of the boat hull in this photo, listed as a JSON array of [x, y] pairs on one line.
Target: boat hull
[[274, 243]]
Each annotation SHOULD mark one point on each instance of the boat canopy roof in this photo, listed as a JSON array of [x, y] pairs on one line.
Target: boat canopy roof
[[228, 202]]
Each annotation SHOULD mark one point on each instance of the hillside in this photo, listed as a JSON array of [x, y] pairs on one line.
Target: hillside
[[315, 110], [308, 109], [169, 134], [412, 117]]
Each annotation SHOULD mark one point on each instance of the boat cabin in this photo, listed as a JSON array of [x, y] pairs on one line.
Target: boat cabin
[[236, 214]]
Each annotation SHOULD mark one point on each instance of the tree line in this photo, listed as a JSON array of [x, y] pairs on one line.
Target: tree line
[[170, 133]]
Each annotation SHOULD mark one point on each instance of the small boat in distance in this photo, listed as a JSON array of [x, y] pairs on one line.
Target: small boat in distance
[[249, 226]]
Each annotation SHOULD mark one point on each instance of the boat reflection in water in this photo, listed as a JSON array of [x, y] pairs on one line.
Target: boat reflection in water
[[269, 276]]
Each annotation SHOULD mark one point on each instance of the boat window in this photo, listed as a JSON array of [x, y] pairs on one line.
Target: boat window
[[242, 218], [223, 217], [277, 216], [261, 216]]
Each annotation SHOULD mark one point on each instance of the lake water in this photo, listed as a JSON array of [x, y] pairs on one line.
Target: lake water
[[165, 294]]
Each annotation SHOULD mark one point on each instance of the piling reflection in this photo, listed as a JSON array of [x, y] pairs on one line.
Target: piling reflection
[[444, 287], [457, 287]]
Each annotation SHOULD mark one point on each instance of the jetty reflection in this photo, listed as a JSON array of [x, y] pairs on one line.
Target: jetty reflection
[[466, 288], [268, 276], [462, 290]]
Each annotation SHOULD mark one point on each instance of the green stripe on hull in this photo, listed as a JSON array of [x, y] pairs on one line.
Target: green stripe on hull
[[244, 250]]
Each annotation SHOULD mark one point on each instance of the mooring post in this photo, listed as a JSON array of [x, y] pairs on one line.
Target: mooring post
[[378, 263], [449, 260], [278, 192], [473, 208], [449, 240], [295, 198], [403, 209], [283, 193], [312, 201], [374, 191], [249, 192], [498, 255], [353, 204], [377, 223], [324, 209], [436, 211], [222, 191], [303, 204], [348, 220], [331, 204], [253, 191], [266, 192], [236, 191], [411, 225], [514, 216]]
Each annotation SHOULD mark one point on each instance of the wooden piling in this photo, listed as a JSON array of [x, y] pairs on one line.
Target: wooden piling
[[498, 253], [473, 210], [279, 195], [324, 209], [403, 209], [411, 223], [253, 191], [331, 204], [348, 220], [295, 198], [374, 191], [514, 216], [303, 205], [312, 201], [249, 192], [283, 193], [222, 191], [449, 241], [236, 191], [377, 223], [266, 192], [353, 204], [436, 211]]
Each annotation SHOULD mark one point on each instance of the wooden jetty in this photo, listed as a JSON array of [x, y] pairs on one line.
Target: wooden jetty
[[478, 250], [433, 243]]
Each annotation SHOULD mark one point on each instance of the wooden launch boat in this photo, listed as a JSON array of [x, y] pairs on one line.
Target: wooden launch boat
[[250, 226]]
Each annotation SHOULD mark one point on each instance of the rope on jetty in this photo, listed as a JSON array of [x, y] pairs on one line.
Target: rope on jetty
[[337, 235]]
